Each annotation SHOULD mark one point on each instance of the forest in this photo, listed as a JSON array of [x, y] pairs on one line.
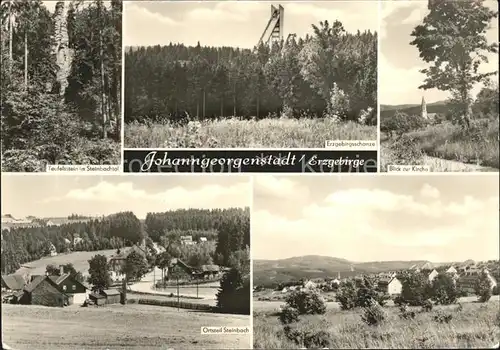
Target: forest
[[61, 84], [329, 75], [229, 229]]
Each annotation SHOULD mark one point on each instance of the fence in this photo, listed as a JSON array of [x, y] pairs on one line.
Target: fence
[[174, 303]]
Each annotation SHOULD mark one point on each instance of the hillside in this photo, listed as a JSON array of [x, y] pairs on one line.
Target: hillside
[[270, 272], [412, 109]]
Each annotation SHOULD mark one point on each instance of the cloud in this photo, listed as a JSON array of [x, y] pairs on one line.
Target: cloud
[[348, 224], [224, 11], [279, 187], [429, 191]]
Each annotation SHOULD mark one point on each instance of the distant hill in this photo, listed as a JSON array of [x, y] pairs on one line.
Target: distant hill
[[412, 109], [270, 272]]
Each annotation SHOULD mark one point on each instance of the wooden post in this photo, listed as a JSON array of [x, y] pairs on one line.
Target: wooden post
[[178, 300]]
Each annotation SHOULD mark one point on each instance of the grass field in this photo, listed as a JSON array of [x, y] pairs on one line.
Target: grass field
[[116, 327], [278, 133], [476, 326], [446, 147], [78, 259]]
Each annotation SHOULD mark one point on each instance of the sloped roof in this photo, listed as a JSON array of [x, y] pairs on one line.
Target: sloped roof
[[109, 292], [60, 279], [209, 268], [13, 281], [34, 283]]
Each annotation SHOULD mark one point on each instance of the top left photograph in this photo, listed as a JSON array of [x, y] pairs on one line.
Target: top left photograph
[[61, 68]]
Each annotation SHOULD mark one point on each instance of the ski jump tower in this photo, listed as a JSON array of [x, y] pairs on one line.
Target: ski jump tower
[[274, 29]]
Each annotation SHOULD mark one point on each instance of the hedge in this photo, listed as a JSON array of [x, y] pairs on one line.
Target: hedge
[[173, 303]]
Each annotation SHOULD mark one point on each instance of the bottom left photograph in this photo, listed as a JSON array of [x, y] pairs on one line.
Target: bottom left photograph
[[125, 262]]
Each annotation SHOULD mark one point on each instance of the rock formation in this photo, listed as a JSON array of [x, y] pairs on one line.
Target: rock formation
[[64, 55]]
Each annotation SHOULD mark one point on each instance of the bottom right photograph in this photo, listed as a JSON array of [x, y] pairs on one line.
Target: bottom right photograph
[[391, 261]]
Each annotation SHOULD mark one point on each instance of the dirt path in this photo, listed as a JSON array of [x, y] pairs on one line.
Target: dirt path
[[445, 165]]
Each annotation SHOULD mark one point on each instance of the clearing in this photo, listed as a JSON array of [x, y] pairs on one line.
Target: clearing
[[80, 261], [475, 326], [116, 327], [230, 133]]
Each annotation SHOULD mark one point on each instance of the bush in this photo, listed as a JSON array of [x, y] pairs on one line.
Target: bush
[[373, 315], [444, 290], [483, 287], [494, 291], [308, 339], [427, 306], [442, 317], [405, 150], [405, 314], [306, 302], [234, 293], [346, 295], [288, 315], [416, 289]]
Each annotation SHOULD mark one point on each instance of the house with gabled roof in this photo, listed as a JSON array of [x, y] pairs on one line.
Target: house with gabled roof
[[390, 285], [43, 291], [13, 282]]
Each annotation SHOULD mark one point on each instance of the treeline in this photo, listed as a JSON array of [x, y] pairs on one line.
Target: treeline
[[232, 227], [331, 72], [61, 83]]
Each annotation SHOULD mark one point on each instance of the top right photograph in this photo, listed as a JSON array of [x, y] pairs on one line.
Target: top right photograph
[[438, 86]]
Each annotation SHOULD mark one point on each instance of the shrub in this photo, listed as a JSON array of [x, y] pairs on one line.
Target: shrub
[[494, 291], [427, 306], [288, 315], [415, 289], [444, 290], [483, 287], [308, 339], [373, 315], [405, 150], [404, 313], [346, 295], [441, 317], [306, 302]]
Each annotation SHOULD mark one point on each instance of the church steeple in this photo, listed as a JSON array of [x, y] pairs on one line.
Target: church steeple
[[423, 109]]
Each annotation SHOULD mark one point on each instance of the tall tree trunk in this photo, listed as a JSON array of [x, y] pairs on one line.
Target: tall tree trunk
[[10, 36], [25, 61], [258, 105], [198, 106], [101, 62], [204, 104], [222, 106], [234, 100]]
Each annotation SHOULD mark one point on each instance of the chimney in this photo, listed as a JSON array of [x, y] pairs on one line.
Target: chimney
[[61, 270]]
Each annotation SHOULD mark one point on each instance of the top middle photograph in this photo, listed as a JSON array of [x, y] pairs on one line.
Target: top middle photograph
[[249, 74]]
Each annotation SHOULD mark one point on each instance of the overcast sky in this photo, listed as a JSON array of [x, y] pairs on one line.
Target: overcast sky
[[399, 62], [61, 195], [375, 218], [234, 23]]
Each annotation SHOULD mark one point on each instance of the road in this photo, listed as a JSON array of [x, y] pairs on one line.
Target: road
[[439, 164], [206, 291]]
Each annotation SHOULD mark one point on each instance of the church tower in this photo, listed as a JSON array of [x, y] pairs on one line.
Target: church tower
[[423, 110]]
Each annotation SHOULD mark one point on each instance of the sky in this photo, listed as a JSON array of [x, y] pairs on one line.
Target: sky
[[62, 195], [234, 23], [399, 62], [376, 218]]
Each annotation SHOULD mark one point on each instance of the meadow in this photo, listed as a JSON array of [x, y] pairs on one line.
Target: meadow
[[233, 133], [80, 261], [446, 147], [116, 327], [473, 325]]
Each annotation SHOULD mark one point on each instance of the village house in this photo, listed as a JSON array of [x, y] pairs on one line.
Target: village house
[[391, 286], [187, 240], [43, 291], [106, 296], [13, 283], [208, 271], [52, 249], [432, 275], [467, 281], [203, 239], [309, 285], [117, 262], [69, 285]]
